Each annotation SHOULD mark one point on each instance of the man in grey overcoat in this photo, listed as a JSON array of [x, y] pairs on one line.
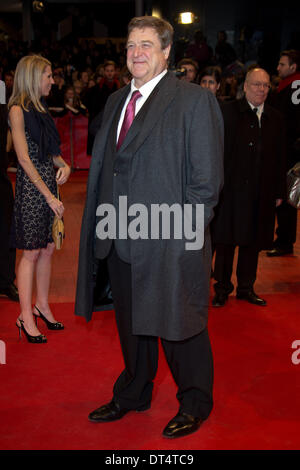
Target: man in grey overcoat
[[172, 154]]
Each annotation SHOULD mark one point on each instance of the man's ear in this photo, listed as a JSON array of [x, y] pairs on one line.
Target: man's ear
[[293, 68], [166, 51]]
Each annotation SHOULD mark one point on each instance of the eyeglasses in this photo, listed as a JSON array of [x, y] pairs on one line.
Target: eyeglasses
[[260, 84]]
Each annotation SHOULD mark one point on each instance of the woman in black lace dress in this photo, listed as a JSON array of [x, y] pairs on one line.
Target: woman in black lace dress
[[36, 143]]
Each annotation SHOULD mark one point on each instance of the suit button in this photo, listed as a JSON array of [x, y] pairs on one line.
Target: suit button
[[115, 174], [251, 144], [252, 126]]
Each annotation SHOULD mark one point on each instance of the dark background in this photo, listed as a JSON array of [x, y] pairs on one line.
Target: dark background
[[254, 27]]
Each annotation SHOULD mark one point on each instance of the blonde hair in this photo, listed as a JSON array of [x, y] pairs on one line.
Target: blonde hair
[[27, 82]]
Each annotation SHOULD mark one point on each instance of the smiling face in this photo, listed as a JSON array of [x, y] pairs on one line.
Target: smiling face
[[257, 87], [145, 57], [47, 81]]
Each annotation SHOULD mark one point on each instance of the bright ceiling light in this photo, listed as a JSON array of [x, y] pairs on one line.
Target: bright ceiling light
[[186, 18]]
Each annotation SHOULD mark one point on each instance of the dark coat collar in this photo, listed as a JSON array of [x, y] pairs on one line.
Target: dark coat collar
[[244, 107]]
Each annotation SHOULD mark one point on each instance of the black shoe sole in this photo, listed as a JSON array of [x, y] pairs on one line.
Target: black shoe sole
[[109, 420], [253, 303], [105, 420], [182, 434], [277, 255]]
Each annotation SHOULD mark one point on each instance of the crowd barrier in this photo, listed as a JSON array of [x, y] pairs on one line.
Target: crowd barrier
[[73, 132]]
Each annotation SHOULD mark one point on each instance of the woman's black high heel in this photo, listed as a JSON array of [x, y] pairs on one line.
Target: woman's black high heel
[[31, 339], [50, 325]]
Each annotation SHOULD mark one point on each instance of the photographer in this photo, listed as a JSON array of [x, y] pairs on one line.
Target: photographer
[[191, 70]]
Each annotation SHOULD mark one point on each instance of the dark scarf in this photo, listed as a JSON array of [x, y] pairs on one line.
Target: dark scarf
[[42, 131], [287, 81]]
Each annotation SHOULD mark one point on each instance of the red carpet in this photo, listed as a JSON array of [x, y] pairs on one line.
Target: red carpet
[[48, 390]]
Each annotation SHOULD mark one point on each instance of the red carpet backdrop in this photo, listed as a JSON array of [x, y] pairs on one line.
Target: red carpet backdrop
[[73, 132], [47, 391]]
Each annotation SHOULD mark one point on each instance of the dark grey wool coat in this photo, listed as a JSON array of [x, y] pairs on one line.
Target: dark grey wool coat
[[176, 157]]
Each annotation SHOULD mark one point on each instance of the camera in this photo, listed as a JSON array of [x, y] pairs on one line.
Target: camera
[[179, 72]]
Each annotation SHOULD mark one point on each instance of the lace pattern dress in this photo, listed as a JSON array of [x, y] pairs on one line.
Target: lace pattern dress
[[33, 218]]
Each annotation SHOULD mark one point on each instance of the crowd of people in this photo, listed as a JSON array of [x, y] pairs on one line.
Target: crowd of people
[[82, 65], [159, 289], [86, 73], [238, 221]]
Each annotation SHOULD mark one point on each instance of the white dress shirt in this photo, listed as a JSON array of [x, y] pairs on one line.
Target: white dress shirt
[[259, 111], [145, 91]]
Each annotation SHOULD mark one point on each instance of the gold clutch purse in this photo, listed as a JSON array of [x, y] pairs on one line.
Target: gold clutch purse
[[58, 230]]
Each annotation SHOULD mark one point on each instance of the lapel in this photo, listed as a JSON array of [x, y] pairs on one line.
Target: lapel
[[113, 107], [149, 114], [266, 114], [243, 105], [111, 116]]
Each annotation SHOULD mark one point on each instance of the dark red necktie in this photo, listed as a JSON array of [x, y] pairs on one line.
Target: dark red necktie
[[128, 117]]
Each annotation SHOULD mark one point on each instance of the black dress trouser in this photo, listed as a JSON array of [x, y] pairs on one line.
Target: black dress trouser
[[246, 268], [286, 226], [190, 361]]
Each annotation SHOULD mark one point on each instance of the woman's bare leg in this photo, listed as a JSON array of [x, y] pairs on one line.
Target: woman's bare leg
[[25, 275], [43, 276]]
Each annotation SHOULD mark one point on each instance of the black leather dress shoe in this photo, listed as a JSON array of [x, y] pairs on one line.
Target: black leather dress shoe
[[11, 292], [252, 298], [182, 425], [219, 300], [111, 412], [279, 252]]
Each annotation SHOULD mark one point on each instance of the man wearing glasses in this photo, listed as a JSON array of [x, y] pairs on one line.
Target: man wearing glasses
[[254, 165]]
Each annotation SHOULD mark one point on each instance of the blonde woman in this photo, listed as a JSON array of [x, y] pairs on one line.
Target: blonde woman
[[36, 143]]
